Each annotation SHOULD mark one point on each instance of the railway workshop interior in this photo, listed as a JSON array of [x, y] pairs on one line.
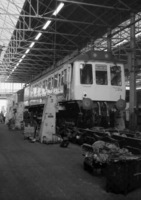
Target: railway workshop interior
[[70, 99]]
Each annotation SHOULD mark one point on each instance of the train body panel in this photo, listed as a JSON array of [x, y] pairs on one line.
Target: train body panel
[[78, 80], [94, 89]]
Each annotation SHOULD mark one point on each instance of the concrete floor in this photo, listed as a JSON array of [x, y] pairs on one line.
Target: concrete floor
[[47, 172]]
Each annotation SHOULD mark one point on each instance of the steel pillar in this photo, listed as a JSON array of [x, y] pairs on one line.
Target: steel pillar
[[132, 102]]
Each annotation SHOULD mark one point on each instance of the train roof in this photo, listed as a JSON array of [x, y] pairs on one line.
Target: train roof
[[92, 55]]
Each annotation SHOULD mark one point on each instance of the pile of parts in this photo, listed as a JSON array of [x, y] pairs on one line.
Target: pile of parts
[[121, 167]]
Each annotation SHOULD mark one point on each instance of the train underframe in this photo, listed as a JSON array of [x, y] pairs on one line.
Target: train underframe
[[82, 114], [87, 114]]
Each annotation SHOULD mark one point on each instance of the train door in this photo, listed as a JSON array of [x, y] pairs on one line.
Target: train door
[[69, 81], [65, 84]]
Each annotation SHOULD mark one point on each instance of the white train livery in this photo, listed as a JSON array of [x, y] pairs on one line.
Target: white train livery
[[88, 87]]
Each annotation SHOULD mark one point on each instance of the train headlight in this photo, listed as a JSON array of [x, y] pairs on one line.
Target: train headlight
[[121, 104], [87, 104]]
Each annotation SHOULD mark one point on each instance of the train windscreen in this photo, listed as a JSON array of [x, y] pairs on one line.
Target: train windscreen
[[101, 74], [86, 75]]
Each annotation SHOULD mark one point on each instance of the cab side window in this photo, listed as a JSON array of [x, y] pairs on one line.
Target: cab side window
[[115, 72]]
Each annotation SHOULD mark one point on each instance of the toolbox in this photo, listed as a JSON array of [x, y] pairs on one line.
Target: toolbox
[[122, 176]]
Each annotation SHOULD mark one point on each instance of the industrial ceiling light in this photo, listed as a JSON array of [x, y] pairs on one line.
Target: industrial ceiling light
[[23, 56], [27, 51], [120, 43], [46, 24], [7, 78], [20, 60], [38, 36], [138, 34], [32, 44], [58, 9], [16, 66]]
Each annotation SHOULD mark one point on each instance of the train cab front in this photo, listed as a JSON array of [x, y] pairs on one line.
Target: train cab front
[[97, 87]]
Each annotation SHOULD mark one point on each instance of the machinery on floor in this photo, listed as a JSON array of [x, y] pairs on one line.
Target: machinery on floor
[[48, 125]]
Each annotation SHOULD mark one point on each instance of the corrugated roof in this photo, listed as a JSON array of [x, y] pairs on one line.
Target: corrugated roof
[[9, 14], [79, 24]]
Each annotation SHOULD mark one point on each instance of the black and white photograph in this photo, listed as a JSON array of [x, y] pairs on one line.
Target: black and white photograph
[[70, 99]]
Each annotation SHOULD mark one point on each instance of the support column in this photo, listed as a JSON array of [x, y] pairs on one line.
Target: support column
[[132, 102]]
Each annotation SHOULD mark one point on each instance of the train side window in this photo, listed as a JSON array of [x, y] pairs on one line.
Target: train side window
[[39, 88], [65, 76], [59, 80], [72, 72], [36, 90], [52, 82], [115, 72], [55, 80], [46, 84], [62, 75], [86, 75], [101, 74], [49, 83]]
